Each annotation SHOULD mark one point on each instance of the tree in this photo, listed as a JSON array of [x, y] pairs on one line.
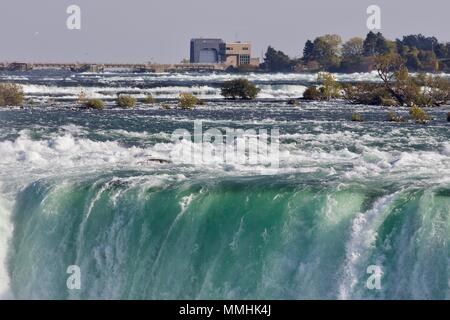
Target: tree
[[327, 50], [411, 56], [441, 51], [330, 87], [420, 42], [353, 48], [277, 61], [375, 44], [241, 88], [388, 67], [428, 60], [308, 51], [370, 44], [382, 45]]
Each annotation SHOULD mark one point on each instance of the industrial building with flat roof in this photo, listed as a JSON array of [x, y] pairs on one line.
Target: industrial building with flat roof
[[234, 54]]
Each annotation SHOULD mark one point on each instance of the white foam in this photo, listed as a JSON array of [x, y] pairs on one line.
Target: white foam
[[363, 236], [171, 92], [67, 151], [267, 82]]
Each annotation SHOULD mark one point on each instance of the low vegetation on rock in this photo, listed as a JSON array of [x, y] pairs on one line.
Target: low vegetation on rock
[[419, 115], [187, 101], [125, 101], [95, 104], [394, 117], [239, 88], [328, 89], [11, 94], [357, 117]]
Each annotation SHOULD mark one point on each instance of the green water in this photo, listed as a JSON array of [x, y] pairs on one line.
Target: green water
[[78, 188]]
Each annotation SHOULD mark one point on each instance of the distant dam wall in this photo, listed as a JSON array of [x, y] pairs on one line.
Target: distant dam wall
[[94, 67]]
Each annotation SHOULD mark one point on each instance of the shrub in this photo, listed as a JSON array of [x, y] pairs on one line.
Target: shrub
[[436, 90], [418, 114], [420, 90], [311, 93], [95, 104], [11, 94], [165, 106], [187, 101], [330, 88], [368, 93], [149, 99], [357, 117], [388, 102], [126, 101], [241, 88], [394, 117]]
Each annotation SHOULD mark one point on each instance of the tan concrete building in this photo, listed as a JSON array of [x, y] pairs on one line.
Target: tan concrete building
[[240, 54]]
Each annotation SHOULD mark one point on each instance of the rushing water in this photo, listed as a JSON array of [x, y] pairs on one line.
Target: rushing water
[[79, 188]]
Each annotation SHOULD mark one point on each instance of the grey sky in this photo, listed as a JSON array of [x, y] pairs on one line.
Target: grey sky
[[160, 30]]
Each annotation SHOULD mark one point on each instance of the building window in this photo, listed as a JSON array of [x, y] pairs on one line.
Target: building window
[[245, 48], [244, 59]]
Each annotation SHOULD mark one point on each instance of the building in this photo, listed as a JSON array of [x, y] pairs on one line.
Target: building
[[240, 54], [234, 54], [207, 51]]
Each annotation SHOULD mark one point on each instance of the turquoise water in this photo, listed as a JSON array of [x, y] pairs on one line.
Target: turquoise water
[[80, 188]]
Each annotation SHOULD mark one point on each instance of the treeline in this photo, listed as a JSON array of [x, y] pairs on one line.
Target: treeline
[[330, 53]]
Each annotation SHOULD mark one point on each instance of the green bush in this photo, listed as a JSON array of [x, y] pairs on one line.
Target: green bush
[[311, 93], [126, 101], [95, 104], [11, 94], [239, 88], [418, 114], [187, 101], [330, 88], [357, 117]]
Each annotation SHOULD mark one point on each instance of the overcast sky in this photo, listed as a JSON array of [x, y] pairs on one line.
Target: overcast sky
[[160, 30]]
